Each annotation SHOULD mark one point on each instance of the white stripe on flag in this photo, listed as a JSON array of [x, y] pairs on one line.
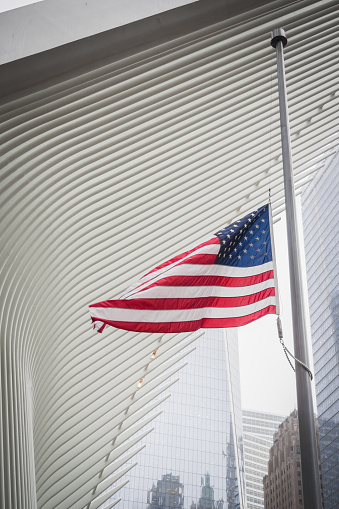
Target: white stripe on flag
[[187, 269], [187, 292], [178, 315]]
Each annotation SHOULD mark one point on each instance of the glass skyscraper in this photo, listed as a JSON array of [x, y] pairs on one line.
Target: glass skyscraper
[[194, 456], [320, 205], [258, 431]]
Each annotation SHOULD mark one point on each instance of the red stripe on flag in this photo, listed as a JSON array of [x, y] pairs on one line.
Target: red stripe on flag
[[204, 323], [213, 240], [187, 303], [201, 259], [210, 281]]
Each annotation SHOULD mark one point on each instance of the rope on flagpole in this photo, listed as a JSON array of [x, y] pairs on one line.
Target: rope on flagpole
[[286, 350], [280, 332]]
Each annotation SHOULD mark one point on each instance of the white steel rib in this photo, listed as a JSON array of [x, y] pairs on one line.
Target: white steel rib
[[117, 152]]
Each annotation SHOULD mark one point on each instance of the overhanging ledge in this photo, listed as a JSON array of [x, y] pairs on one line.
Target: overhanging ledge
[[30, 65]]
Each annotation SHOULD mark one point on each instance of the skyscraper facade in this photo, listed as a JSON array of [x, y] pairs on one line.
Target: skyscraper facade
[[197, 440], [320, 207], [282, 484], [258, 431]]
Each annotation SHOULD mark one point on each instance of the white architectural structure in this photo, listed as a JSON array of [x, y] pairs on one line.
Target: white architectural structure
[[129, 131]]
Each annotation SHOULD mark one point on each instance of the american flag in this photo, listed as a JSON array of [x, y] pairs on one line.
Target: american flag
[[227, 281]]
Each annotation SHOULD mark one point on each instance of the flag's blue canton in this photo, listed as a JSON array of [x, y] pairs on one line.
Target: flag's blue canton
[[246, 242]]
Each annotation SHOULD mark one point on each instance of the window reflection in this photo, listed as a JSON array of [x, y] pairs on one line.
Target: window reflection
[[193, 458], [321, 233]]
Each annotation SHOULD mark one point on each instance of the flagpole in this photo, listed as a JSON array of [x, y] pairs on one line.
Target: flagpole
[[308, 443]]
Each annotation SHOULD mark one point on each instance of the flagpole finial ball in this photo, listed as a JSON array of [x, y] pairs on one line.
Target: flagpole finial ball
[[278, 34]]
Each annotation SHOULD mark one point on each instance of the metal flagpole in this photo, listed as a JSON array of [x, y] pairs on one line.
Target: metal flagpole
[[308, 443]]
